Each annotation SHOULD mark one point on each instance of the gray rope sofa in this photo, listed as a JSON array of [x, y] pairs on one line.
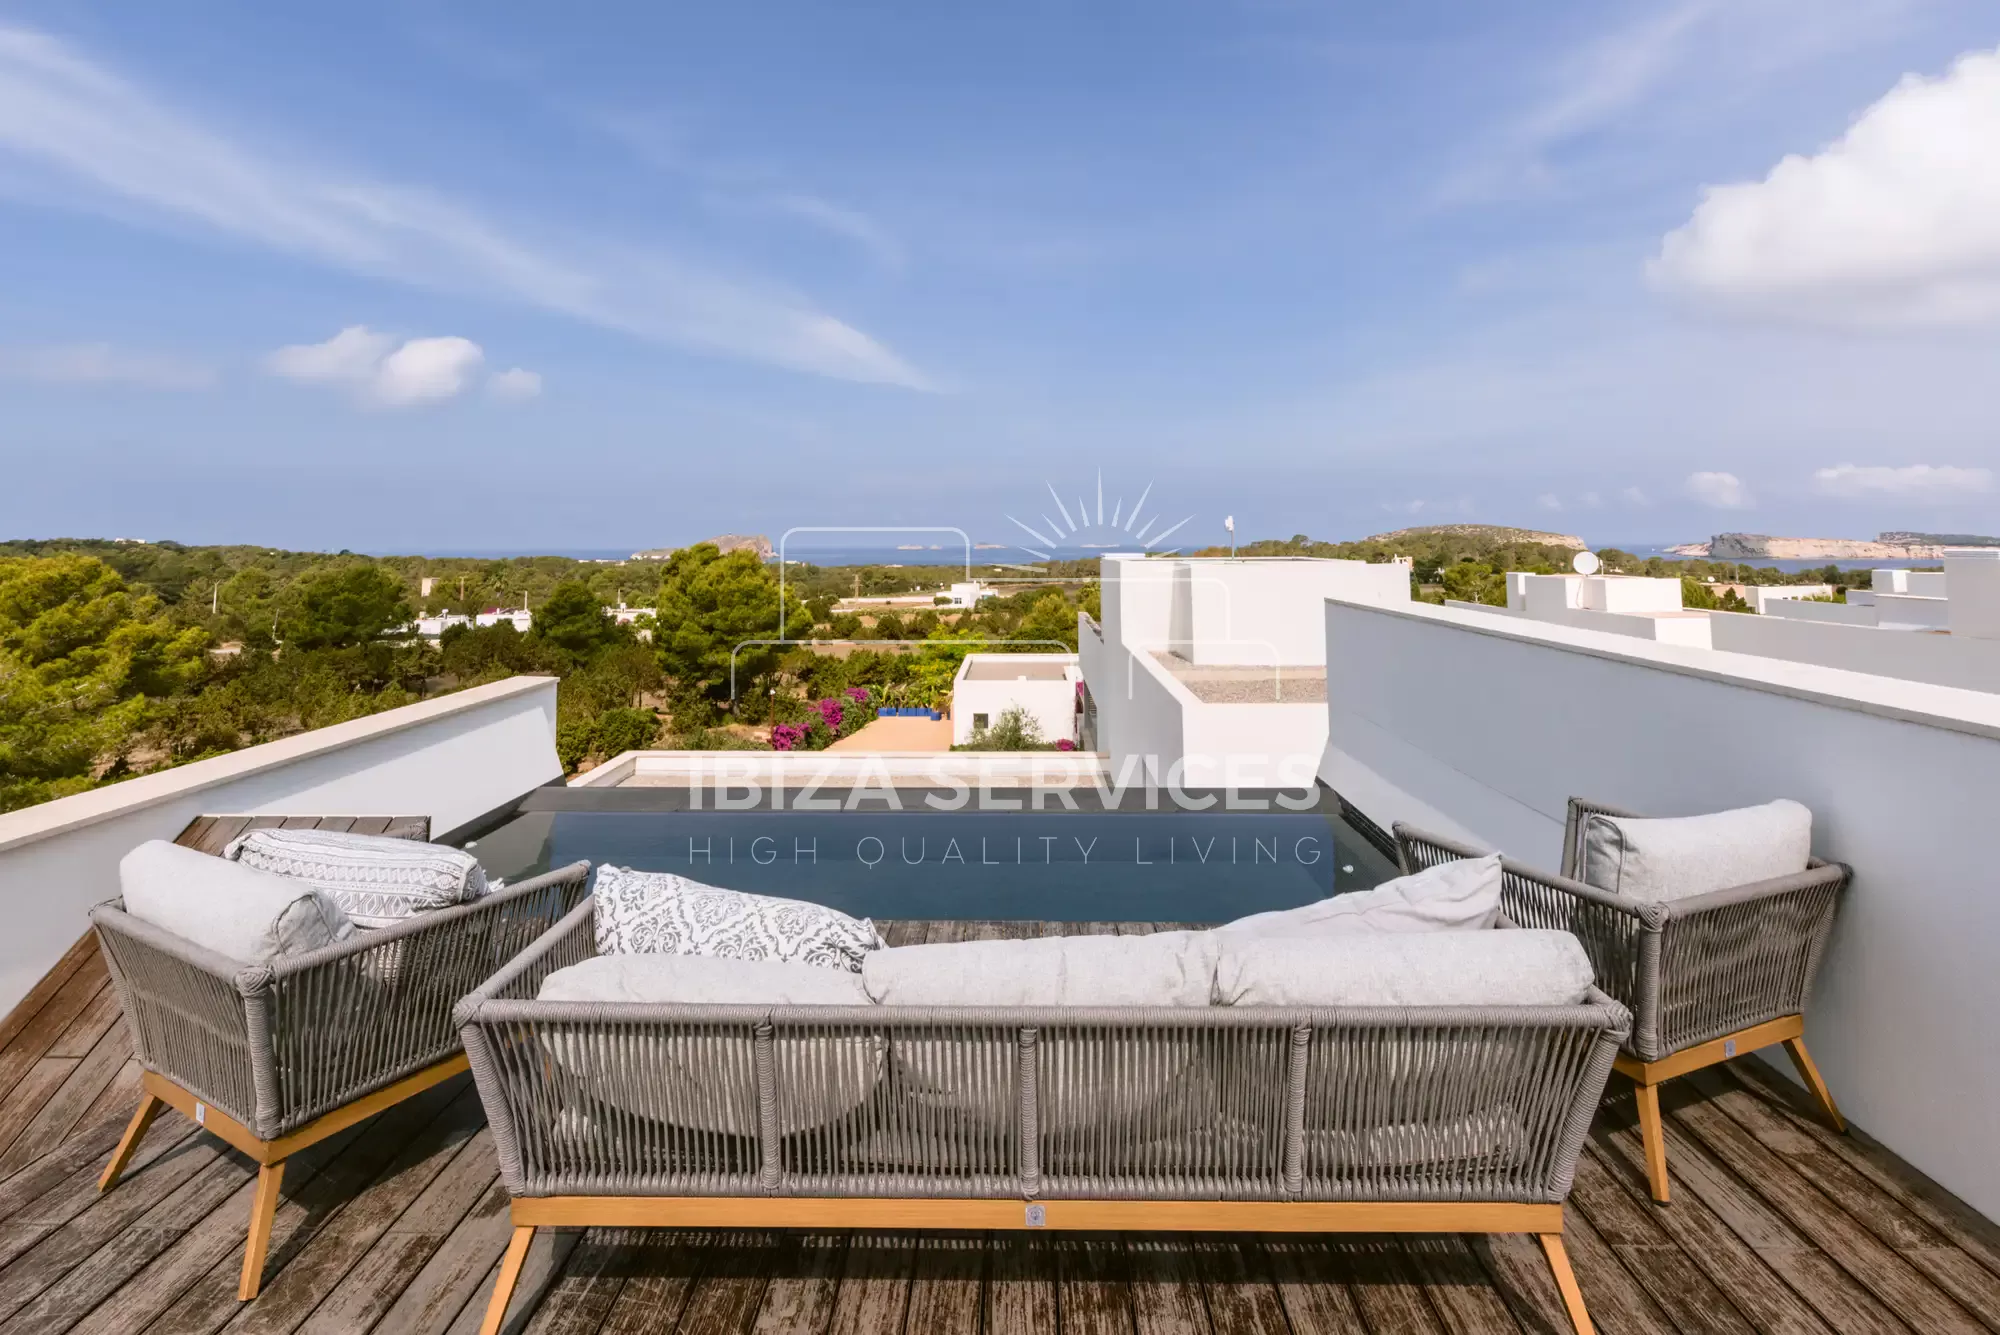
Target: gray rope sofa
[[1418, 1119], [275, 1056], [1708, 977]]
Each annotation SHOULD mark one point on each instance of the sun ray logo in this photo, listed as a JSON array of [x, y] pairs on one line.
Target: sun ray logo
[[1071, 530]]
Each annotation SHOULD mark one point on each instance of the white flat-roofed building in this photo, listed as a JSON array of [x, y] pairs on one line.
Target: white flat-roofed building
[[1042, 685], [1201, 671]]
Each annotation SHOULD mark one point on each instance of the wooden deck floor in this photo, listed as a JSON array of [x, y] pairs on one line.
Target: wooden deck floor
[[397, 1226]]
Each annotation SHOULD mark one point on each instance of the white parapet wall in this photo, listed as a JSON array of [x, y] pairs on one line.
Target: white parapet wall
[[1832, 614], [1941, 660], [1484, 726], [453, 759], [1257, 611]]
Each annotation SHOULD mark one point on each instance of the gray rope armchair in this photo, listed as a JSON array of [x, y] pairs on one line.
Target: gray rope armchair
[[1414, 1119], [274, 1057], [1708, 978]]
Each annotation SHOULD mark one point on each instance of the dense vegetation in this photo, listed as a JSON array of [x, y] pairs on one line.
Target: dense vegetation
[[123, 658]]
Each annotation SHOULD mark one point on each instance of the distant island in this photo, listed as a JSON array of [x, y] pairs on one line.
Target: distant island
[[1497, 533], [1887, 547], [728, 542]]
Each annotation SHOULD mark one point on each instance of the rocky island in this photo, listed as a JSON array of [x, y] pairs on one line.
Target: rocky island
[[1886, 547]]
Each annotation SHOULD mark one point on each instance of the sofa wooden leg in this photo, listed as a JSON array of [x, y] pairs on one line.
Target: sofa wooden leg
[[1809, 1073], [1655, 1139], [262, 1210], [510, 1274], [135, 1131], [1572, 1296]]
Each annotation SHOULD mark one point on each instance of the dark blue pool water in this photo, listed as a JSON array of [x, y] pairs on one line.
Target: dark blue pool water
[[1169, 866]]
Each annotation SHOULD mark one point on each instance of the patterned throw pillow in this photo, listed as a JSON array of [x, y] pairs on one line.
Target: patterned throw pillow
[[377, 880], [659, 913]]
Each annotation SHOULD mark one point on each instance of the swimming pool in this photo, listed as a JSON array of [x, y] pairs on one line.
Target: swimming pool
[[1093, 864]]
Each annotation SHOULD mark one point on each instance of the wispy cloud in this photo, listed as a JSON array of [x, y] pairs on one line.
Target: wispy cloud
[[841, 221], [1916, 482], [515, 385], [103, 364], [94, 140]]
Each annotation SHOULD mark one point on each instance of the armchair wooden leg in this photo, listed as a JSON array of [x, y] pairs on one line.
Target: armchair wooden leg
[[1572, 1296], [510, 1275], [269, 1178], [135, 1131], [1655, 1138], [1809, 1073]]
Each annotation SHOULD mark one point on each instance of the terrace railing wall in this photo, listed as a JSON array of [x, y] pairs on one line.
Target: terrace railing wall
[[454, 759], [1484, 726]]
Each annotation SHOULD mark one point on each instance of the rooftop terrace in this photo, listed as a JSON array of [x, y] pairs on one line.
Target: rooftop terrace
[[1246, 685], [1778, 1225]]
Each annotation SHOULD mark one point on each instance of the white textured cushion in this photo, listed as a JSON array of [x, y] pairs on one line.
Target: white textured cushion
[[235, 911], [377, 881], [1496, 968], [707, 1080], [1452, 896], [1163, 969], [659, 913], [1655, 860]]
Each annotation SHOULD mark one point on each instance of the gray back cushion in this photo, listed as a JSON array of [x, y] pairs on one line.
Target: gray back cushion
[[1656, 860], [235, 911], [1496, 968], [377, 881], [1164, 969], [1449, 897]]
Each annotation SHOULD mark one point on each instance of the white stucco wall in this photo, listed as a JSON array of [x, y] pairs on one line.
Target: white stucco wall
[[1972, 583], [1839, 614], [1942, 660], [1262, 611], [1483, 726], [1911, 611], [452, 759], [1689, 628]]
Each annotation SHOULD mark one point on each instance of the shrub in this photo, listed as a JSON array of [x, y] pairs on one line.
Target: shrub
[[621, 730]]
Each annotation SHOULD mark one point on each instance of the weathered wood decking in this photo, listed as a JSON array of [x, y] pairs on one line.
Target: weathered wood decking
[[1778, 1225]]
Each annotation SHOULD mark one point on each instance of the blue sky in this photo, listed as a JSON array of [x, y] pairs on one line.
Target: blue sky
[[428, 276]]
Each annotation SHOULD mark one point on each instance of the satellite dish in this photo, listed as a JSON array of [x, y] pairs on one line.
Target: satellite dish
[[1584, 563]]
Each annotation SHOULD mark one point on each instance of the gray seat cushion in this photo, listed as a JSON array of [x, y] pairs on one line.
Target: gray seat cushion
[[659, 913], [1163, 969], [1495, 968], [704, 1076], [1452, 896], [376, 880], [1658, 860], [237, 912]]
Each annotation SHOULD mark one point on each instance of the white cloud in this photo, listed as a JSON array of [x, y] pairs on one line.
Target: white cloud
[[1724, 491], [425, 370], [351, 355], [103, 364], [1403, 507], [1634, 496], [841, 221], [1917, 482], [1590, 500], [1549, 501], [76, 132], [380, 371], [1895, 223], [515, 385]]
